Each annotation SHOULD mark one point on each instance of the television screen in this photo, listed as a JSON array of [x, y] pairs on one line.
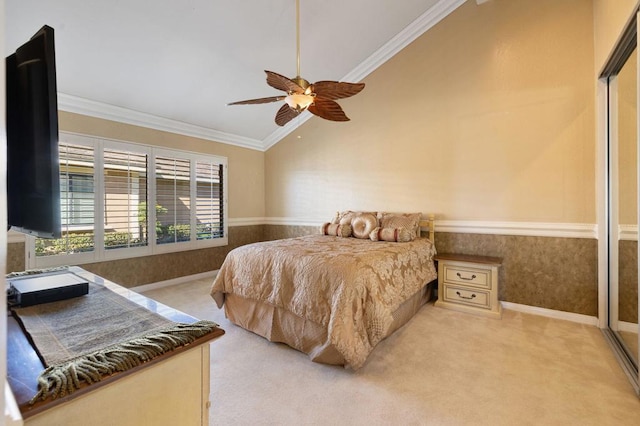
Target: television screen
[[33, 177]]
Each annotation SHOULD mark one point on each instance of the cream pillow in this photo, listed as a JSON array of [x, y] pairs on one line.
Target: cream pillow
[[362, 224], [410, 221], [401, 235]]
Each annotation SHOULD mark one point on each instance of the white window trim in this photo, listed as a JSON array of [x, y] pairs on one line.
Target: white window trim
[[100, 254]]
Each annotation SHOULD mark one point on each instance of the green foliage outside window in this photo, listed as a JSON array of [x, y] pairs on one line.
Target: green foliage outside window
[[142, 217], [82, 242]]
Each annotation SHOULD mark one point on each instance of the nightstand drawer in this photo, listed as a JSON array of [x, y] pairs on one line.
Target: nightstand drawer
[[467, 296], [467, 276]]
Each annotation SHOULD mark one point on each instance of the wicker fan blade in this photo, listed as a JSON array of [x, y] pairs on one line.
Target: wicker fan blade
[[285, 114], [333, 90], [259, 101], [327, 109], [281, 82]]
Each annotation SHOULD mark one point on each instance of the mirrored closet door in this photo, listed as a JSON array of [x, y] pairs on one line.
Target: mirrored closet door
[[622, 76]]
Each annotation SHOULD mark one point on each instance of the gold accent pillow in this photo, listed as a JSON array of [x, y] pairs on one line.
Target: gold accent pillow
[[410, 221]]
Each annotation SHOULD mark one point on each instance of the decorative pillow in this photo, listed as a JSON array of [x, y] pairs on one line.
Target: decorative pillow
[[410, 221], [400, 235], [336, 229], [344, 217], [339, 215], [362, 223]]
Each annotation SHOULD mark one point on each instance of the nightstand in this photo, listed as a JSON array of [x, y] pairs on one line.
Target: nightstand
[[469, 283]]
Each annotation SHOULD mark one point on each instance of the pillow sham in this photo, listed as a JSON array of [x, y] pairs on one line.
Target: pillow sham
[[409, 221], [401, 235], [336, 229]]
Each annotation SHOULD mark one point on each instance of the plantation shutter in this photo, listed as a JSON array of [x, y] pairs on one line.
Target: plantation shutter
[[125, 199], [173, 200], [122, 200], [77, 203], [209, 200]]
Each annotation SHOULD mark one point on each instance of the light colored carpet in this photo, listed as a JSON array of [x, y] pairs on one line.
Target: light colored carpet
[[442, 368]]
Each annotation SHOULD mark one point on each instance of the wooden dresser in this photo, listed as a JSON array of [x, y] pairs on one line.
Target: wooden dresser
[[469, 283], [171, 389]]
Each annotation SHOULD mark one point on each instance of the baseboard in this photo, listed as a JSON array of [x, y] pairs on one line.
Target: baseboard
[[551, 313], [629, 327], [174, 281]]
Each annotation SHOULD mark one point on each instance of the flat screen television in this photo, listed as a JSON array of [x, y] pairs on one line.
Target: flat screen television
[[33, 170]]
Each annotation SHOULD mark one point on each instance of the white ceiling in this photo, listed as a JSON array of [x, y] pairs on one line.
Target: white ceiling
[[174, 65]]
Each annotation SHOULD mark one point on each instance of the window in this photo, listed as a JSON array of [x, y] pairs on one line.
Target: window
[[76, 194], [77, 202], [209, 206], [107, 190], [173, 194], [125, 199]]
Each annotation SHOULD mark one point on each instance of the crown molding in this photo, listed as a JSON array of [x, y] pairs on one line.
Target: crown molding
[[91, 108], [422, 24], [101, 110], [410, 33]]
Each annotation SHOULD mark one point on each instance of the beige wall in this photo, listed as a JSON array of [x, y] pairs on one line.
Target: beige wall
[[246, 166], [487, 116], [610, 17]]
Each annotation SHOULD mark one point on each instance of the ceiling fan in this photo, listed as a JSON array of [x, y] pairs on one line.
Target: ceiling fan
[[318, 98]]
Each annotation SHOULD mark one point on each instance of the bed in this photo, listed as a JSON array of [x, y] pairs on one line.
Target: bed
[[334, 295]]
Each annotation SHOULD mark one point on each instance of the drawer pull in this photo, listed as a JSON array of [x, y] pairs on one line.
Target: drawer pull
[[473, 277], [464, 297]]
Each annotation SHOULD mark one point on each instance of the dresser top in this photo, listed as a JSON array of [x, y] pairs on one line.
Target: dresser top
[[488, 260]]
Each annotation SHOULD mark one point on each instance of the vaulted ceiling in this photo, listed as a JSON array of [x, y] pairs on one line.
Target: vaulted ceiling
[[174, 65]]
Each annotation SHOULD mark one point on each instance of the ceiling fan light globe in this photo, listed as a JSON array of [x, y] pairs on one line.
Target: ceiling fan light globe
[[299, 101]]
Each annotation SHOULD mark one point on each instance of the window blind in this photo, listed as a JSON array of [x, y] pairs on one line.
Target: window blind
[[125, 199], [121, 199], [77, 206], [173, 196], [209, 200]]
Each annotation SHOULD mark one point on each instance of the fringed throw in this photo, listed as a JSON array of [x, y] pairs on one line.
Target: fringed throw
[[59, 380]]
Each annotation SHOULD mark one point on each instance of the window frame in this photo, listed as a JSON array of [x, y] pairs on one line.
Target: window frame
[[100, 254]]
